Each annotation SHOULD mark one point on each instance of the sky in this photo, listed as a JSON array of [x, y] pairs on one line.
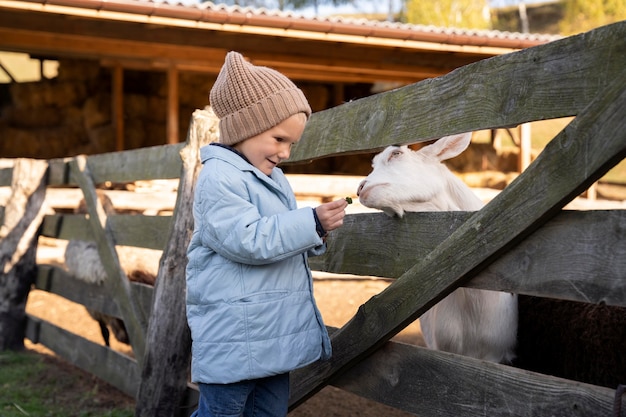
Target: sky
[[378, 6], [367, 6]]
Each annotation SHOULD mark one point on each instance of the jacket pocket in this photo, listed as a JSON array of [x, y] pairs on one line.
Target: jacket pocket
[[261, 297]]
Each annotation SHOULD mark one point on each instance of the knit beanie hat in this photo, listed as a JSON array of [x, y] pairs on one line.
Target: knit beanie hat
[[251, 99]]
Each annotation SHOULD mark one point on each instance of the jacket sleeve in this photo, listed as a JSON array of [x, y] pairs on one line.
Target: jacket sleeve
[[234, 227]]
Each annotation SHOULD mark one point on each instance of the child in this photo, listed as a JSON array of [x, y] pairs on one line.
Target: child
[[250, 302]]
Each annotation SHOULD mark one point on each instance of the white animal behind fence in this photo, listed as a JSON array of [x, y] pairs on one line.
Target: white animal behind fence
[[471, 322]]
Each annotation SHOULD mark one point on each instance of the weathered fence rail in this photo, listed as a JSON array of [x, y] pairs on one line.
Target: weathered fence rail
[[521, 241]]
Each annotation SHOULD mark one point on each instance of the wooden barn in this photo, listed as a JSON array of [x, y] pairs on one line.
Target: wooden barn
[[132, 72]]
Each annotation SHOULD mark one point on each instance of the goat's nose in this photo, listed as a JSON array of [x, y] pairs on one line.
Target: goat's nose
[[360, 188]]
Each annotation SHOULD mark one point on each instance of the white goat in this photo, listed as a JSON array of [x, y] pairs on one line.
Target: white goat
[[471, 322]]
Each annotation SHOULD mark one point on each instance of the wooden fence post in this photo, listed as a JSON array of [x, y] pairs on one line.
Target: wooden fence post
[[18, 248], [166, 360]]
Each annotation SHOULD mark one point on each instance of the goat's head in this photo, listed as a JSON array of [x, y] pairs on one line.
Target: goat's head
[[402, 178]]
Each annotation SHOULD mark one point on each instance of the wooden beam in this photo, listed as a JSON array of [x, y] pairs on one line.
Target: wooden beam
[[127, 229], [140, 55], [62, 44], [338, 93], [556, 250], [113, 367], [172, 106], [412, 378], [117, 101], [156, 162]]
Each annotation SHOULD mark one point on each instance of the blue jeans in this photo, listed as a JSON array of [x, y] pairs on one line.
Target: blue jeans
[[264, 397]]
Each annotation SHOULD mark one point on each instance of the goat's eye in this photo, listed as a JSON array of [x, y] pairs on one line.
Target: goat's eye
[[394, 154]]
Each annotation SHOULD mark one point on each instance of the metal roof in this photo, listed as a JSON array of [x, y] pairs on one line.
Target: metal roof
[[208, 12]]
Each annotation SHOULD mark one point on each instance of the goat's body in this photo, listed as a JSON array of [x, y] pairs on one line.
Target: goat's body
[[471, 322], [477, 323]]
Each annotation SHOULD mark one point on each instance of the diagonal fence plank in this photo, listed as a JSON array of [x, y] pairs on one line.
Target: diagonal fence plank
[[117, 282], [592, 144]]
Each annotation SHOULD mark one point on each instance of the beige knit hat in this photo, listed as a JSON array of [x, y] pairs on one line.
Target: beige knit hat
[[251, 99]]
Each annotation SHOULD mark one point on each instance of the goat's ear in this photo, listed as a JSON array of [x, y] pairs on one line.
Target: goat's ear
[[448, 146]]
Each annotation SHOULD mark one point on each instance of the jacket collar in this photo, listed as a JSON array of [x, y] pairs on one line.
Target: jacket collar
[[237, 159], [230, 148]]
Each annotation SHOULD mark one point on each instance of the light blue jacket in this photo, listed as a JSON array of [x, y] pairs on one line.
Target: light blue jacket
[[250, 303]]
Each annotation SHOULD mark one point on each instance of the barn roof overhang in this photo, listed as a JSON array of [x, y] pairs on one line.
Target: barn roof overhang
[[148, 34]]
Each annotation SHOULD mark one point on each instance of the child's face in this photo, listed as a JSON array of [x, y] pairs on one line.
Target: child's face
[[268, 149]]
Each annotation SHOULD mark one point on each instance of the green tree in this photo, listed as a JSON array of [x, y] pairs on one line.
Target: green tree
[[471, 14], [583, 15]]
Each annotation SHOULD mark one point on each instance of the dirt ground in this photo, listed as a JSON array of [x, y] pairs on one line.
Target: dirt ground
[[338, 300]]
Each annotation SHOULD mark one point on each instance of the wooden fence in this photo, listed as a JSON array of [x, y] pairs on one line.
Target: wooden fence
[[428, 254]]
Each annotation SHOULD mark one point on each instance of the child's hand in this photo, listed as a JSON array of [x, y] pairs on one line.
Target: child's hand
[[331, 214]]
